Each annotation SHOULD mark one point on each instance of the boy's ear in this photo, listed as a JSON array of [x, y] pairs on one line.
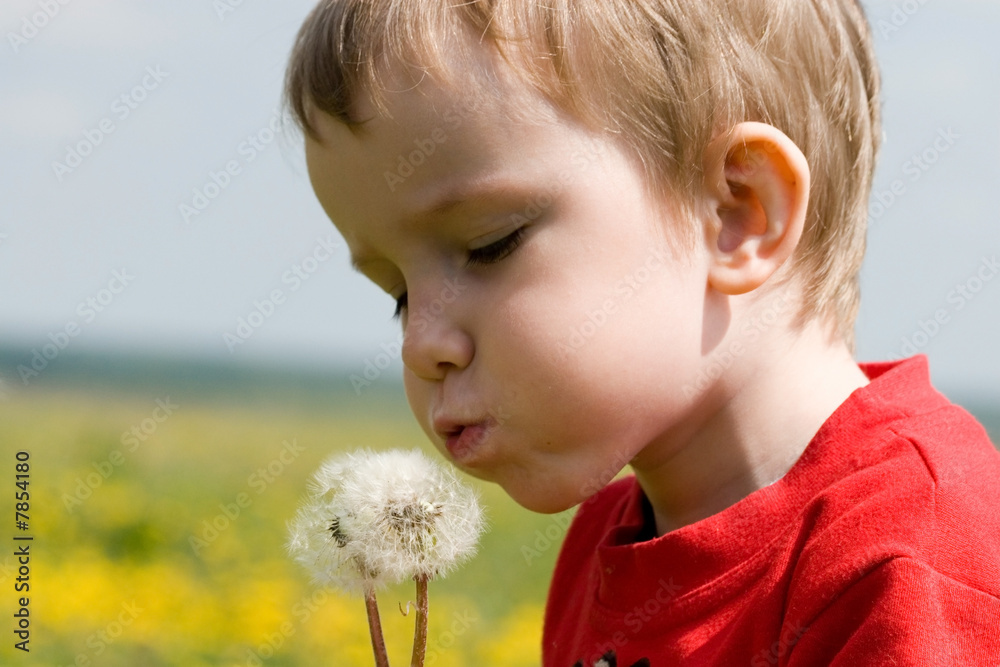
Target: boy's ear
[[757, 182]]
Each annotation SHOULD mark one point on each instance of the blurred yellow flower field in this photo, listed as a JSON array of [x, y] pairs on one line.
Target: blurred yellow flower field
[[167, 547]]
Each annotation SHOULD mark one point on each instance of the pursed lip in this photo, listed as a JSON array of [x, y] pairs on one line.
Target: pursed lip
[[464, 439]]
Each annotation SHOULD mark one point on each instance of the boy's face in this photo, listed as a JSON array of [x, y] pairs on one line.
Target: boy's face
[[550, 327]]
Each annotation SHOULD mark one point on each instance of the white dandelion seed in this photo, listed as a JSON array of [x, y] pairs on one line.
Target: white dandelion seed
[[374, 519], [320, 541]]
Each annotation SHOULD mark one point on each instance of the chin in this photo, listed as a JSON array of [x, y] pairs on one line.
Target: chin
[[544, 499]]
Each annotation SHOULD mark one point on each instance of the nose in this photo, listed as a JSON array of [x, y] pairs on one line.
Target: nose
[[433, 342]]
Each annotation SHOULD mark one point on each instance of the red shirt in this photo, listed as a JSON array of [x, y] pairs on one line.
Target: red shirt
[[881, 546]]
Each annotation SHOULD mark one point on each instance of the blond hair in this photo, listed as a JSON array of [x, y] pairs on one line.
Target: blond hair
[[664, 76]]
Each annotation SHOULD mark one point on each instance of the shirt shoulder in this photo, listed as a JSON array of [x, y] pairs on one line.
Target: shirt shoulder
[[924, 489], [903, 613]]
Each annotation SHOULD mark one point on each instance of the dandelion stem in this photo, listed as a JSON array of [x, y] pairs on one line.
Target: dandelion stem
[[420, 631], [375, 627]]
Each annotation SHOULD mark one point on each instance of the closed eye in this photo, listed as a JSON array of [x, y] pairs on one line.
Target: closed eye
[[497, 251], [400, 306], [485, 256]]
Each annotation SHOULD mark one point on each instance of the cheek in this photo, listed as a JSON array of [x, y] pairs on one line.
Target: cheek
[[601, 375], [647, 317]]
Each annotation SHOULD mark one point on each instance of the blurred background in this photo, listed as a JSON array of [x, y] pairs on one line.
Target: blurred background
[[148, 208]]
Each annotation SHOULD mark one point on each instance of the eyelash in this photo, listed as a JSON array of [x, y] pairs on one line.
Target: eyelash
[[485, 256], [400, 307], [497, 251]]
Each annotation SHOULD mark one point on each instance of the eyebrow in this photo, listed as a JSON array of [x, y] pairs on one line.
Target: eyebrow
[[452, 198], [471, 194]]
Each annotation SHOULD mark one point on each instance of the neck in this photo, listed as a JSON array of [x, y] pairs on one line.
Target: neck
[[760, 416]]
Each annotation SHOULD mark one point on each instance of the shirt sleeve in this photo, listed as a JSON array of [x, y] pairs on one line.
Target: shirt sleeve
[[904, 613]]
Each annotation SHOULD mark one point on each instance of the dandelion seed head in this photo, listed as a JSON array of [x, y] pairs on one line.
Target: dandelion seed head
[[377, 518], [320, 539]]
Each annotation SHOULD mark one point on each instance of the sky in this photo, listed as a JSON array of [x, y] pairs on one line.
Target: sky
[[183, 211]]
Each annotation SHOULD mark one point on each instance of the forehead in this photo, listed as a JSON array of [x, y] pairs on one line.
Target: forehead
[[480, 125]]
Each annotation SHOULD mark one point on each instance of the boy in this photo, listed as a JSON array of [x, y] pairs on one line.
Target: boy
[[629, 232]]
